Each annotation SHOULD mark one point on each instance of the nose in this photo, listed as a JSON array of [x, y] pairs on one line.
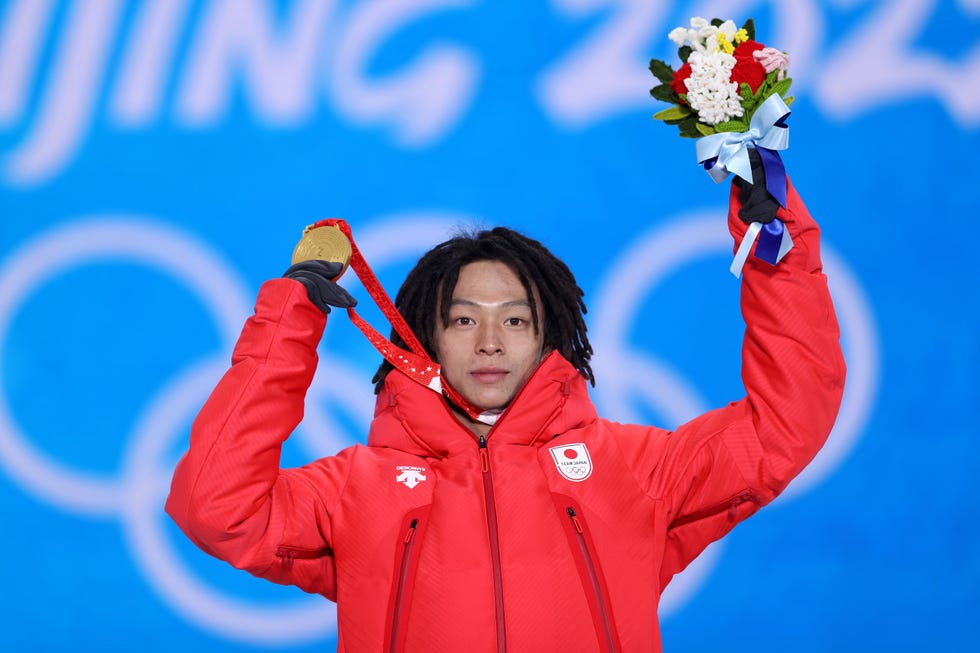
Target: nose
[[489, 340]]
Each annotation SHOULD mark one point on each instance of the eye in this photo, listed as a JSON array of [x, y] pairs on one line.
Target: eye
[[515, 321], [462, 321]]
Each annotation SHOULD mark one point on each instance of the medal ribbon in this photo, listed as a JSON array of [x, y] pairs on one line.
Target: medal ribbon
[[414, 362]]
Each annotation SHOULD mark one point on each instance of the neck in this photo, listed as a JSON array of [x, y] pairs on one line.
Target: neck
[[476, 428]]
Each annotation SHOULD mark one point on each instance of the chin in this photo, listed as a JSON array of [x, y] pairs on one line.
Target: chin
[[489, 403]]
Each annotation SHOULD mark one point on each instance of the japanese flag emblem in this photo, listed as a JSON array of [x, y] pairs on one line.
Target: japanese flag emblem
[[573, 461]]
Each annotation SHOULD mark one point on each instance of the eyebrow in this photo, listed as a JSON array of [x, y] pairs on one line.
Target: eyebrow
[[507, 304]]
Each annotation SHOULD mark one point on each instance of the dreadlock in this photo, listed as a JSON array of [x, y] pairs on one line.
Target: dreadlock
[[432, 281]]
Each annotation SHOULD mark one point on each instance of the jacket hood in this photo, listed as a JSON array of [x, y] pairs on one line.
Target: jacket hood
[[414, 419]]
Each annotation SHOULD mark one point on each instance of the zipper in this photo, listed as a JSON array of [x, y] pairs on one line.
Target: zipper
[[731, 505], [289, 554], [407, 544], [498, 586], [593, 579]]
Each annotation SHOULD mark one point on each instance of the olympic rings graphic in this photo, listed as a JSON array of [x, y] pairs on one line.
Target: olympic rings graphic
[[102, 238], [136, 496]]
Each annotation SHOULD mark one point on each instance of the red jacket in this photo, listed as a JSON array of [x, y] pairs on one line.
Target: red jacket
[[430, 540]]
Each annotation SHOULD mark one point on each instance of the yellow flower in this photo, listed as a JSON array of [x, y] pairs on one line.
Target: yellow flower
[[725, 44], [741, 36]]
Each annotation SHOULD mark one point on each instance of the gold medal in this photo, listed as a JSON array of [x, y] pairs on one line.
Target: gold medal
[[326, 243]]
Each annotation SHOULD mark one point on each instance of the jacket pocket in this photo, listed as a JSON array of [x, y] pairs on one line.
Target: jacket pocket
[[407, 548], [590, 573], [729, 506], [289, 554]]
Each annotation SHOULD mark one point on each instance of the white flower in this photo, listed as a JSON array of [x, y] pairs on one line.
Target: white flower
[[697, 43], [678, 35], [710, 93], [709, 35], [702, 36], [714, 110], [728, 29]]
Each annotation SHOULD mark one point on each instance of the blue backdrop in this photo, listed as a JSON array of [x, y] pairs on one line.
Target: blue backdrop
[[159, 159]]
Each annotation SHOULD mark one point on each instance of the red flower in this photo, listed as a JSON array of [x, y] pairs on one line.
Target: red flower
[[747, 69], [680, 75]]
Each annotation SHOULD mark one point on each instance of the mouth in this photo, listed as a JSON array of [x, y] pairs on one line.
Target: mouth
[[488, 375]]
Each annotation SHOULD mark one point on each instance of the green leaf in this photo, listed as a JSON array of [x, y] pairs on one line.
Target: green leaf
[[749, 27], [673, 113], [704, 130], [789, 100], [717, 22], [782, 87], [688, 127], [685, 52], [750, 100], [765, 88], [664, 93], [732, 126], [661, 71]]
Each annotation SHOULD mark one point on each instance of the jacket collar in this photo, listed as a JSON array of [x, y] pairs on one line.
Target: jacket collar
[[417, 420]]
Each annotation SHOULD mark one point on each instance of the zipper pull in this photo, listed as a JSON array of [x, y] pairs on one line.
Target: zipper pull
[[575, 522], [484, 456], [287, 555], [411, 531], [736, 502]]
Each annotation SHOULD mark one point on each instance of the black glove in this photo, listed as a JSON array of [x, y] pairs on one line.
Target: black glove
[[318, 278], [757, 204]]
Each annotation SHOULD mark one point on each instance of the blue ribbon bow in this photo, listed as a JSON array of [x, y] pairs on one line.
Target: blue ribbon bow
[[727, 152]]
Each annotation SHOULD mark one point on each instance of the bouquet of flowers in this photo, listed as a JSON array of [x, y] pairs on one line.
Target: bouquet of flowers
[[729, 94], [724, 77]]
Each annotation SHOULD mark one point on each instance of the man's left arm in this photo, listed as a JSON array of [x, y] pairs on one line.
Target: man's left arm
[[721, 467]]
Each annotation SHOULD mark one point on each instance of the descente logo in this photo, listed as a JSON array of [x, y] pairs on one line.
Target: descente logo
[[410, 476], [573, 461]]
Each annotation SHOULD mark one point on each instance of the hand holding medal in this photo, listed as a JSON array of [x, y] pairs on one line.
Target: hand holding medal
[[319, 259], [728, 93]]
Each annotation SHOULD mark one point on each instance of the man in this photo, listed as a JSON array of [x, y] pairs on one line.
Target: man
[[551, 530]]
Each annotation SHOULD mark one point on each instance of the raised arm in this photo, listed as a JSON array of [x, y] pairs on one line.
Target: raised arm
[[229, 494], [721, 467]]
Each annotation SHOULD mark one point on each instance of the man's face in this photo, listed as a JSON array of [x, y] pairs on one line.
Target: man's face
[[489, 348]]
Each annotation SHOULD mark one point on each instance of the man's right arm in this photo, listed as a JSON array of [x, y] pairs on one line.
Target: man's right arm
[[229, 494]]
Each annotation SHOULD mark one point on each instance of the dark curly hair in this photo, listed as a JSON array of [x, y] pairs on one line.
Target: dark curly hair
[[432, 281]]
